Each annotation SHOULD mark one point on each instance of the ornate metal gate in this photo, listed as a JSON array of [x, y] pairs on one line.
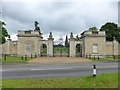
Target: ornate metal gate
[[60, 50], [43, 50]]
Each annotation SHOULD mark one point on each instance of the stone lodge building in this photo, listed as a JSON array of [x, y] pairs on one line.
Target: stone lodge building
[[91, 43]]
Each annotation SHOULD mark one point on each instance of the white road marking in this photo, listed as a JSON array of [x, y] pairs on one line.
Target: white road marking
[[50, 68], [2, 70], [19, 69], [68, 68], [24, 69], [105, 66]]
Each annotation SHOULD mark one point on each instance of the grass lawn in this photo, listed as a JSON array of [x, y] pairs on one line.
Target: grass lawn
[[109, 80], [56, 49], [101, 59], [63, 49], [15, 59]]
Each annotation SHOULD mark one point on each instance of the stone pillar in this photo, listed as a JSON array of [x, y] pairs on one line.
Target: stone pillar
[[8, 46], [83, 47], [36, 43], [40, 47], [50, 45], [72, 47], [115, 47]]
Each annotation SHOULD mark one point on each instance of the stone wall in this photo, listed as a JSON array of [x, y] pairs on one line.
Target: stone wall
[[90, 41], [109, 48], [119, 49], [13, 47], [29, 37], [10, 47], [0, 49], [4, 48], [22, 41], [87, 40], [90, 38]]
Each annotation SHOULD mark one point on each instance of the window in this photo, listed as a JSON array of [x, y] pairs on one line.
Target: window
[[95, 48], [27, 47]]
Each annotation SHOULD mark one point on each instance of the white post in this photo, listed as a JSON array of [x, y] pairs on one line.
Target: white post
[[94, 70]]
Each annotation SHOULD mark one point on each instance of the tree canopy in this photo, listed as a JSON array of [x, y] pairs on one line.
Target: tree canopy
[[112, 30], [66, 42], [3, 33], [93, 29]]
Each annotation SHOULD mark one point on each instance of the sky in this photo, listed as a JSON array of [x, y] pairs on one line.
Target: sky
[[61, 17]]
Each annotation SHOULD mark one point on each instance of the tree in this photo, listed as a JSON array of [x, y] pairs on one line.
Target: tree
[[66, 42], [3, 33], [112, 30], [118, 35], [93, 29]]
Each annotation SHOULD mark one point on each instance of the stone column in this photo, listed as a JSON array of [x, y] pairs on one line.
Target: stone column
[[50, 45], [115, 47], [72, 47]]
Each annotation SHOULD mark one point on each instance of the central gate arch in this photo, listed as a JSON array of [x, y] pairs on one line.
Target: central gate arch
[[78, 50], [59, 48], [43, 50], [52, 49]]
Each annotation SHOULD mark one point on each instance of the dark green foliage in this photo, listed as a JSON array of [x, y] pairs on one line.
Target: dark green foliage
[[93, 29], [3, 32], [44, 49], [61, 49], [59, 45], [112, 30], [66, 42]]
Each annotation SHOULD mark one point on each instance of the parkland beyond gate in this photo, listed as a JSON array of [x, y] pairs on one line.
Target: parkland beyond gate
[[31, 42]]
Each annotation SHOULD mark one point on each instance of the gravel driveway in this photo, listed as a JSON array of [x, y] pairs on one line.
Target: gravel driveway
[[59, 60]]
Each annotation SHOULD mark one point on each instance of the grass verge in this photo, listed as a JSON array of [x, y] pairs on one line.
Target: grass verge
[[109, 80], [15, 59], [101, 59]]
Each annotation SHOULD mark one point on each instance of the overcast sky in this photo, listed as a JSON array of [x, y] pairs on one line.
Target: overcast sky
[[61, 18]]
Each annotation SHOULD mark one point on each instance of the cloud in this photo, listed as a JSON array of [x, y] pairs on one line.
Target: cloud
[[61, 18]]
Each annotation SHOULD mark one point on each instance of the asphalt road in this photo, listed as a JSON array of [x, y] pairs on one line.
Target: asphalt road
[[52, 70]]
